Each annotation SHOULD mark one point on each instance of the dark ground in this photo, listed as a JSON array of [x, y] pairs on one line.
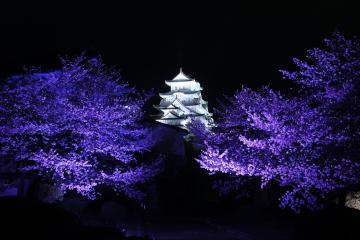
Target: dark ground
[[35, 220]]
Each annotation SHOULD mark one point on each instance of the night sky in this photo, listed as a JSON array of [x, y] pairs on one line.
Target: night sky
[[223, 47]]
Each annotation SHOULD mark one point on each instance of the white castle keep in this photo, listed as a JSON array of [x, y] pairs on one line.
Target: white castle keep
[[183, 103]]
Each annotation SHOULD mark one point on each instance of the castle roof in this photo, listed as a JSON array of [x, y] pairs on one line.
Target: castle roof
[[180, 91], [181, 77]]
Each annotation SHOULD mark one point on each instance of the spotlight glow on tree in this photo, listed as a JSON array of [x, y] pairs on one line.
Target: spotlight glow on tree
[[78, 127], [309, 143]]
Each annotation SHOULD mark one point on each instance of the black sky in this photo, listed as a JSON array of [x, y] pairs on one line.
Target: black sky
[[222, 46]]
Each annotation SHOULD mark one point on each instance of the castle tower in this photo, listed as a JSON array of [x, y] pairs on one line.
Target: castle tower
[[183, 103]]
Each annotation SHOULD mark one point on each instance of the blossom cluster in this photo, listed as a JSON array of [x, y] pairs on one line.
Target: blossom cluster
[[309, 142], [78, 127]]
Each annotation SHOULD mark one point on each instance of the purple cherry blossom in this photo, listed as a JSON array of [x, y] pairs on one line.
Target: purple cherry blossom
[[309, 143], [78, 127]]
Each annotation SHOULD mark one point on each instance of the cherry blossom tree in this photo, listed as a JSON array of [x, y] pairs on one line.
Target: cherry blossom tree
[[79, 128], [308, 142]]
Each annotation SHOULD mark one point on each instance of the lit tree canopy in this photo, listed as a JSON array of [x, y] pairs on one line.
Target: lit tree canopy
[[78, 127], [310, 142]]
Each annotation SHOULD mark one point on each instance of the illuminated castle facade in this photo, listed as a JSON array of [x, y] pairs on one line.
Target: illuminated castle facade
[[183, 103]]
